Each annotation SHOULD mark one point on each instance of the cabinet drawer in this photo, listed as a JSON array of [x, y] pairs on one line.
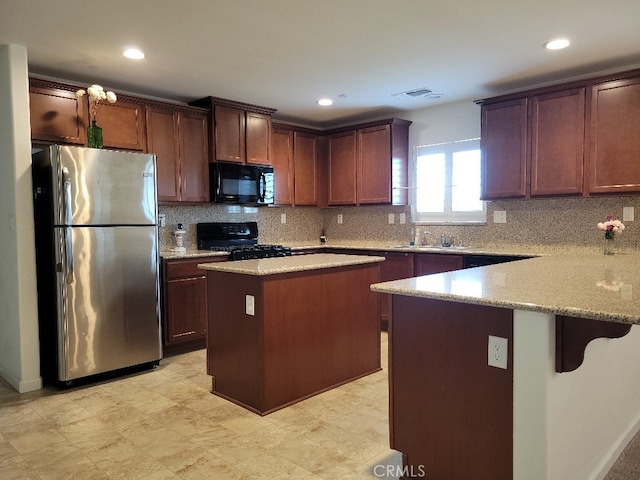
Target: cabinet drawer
[[185, 268]]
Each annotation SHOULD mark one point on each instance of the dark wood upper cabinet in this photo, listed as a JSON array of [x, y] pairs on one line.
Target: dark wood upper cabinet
[[341, 164], [504, 149], [258, 138], [368, 163], [374, 167], [161, 140], [614, 139], [534, 146], [577, 138], [282, 162], [194, 155], [229, 138], [123, 124], [295, 161], [56, 114], [306, 169], [179, 138], [239, 132], [557, 142]]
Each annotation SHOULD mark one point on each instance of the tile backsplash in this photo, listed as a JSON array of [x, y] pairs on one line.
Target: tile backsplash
[[546, 222]]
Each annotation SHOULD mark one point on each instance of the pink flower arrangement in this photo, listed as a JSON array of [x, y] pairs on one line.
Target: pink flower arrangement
[[611, 227]]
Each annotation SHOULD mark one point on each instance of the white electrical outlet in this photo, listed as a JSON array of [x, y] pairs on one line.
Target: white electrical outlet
[[339, 218], [498, 352], [403, 218], [162, 220], [249, 305], [628, 214], [392, 218], [283, 218], [499, 216]]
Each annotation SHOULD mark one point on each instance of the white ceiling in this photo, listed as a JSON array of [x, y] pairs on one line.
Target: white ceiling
[[286, 54]]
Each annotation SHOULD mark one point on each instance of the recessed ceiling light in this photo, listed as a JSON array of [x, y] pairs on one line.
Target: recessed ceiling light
[[557, 44], [133, 53], [325, 102]]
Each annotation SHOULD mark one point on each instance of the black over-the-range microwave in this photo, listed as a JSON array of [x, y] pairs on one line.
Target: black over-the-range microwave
[[241, 184]]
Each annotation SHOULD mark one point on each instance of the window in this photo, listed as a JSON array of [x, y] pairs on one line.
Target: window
[[447, 183]]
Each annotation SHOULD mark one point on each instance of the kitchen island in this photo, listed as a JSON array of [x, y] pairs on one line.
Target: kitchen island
[[284, 329], [563, 408]]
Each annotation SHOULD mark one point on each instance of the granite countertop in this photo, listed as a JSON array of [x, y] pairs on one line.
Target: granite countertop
[[591, 286], [382, 246], [294, 263]]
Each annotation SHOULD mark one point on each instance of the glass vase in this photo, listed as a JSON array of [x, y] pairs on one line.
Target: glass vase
[[94, 135], [609, 247]]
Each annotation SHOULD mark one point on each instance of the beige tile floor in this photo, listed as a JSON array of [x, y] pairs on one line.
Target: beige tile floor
[[165, 424]]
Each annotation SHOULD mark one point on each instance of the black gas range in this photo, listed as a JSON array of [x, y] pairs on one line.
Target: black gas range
[[239, 239]]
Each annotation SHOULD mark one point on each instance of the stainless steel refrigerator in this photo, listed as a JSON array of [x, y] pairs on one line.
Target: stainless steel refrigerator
[[97, 260]]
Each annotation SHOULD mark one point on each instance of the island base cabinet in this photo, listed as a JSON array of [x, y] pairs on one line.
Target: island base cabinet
[[309, 332], [451, 415]]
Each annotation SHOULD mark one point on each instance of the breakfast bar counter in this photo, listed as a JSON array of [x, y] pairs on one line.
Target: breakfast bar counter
[[283, 329], [523, 370]]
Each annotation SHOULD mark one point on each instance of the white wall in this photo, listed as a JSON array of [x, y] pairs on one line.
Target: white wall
[[19, 350], [572, 425], [443, 123]]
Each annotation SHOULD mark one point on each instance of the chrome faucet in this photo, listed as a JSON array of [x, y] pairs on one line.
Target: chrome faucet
[[425, 233], [444, 242]]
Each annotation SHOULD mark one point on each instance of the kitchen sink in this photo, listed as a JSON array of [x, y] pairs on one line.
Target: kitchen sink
[[434, 247]]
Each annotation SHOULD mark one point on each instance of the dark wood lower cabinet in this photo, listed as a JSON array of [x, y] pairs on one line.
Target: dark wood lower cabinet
[[396, 266], [429, 263], [451, 414], [184, 305], [310, 331]]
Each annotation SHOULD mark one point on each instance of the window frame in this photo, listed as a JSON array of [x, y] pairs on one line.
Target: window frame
[[449, 216]]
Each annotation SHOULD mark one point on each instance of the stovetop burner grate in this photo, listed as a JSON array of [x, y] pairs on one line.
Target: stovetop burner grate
[[239, 239]]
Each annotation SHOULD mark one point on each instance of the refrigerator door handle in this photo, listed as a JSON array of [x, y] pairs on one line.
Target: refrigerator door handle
[[68, 214]]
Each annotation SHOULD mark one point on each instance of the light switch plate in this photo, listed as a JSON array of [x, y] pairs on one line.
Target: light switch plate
[[234, 209], [403, 218], [628, 214], [249, 302], [499, 216], [283, 218], [162, 220], [392, 218], [339, 218]]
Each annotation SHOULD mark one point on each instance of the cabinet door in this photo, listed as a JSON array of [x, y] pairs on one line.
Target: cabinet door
[[229, 131], [185, 309], [374, 165], [194, 157], [282, 161], [122, 125], [614, 142], [162, 139], [58, 116], [426, 264], [305, 161], [504, 149], [557, 143], [258, 138], [395, 267], [342, 168]]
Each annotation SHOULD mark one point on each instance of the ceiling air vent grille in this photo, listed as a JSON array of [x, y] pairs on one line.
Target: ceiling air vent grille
[[418, 92]]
